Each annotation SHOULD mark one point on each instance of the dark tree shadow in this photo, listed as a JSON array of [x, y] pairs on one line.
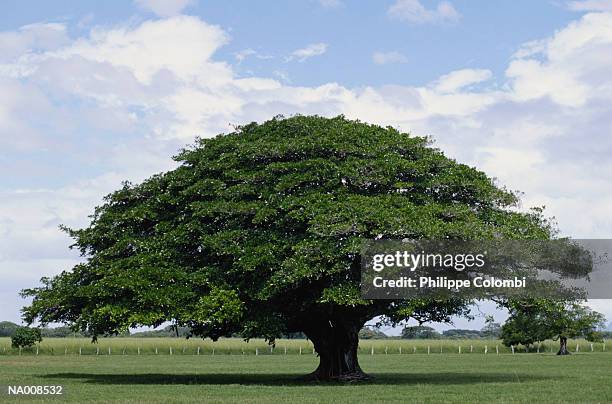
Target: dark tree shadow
[[444, 378]]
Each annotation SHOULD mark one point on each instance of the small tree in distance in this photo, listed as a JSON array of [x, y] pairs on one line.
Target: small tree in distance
[[537, 320], [420, 332], [25, 337]]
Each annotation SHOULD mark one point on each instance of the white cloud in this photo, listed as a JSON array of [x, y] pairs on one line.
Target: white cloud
[[413, 11], [315, 49], [459, 79], [243, 54], [150, 49], [570, 67], [246, 53], [331, 3], [590, 5], [383, 58], [164, 8]]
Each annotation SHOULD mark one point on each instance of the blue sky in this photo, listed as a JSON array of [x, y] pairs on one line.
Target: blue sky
[[94, 93]]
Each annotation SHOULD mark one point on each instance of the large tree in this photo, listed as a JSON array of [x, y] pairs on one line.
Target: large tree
[[258, 232]]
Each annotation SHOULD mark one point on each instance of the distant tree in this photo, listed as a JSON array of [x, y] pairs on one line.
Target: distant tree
[[7, 329], [170, 331], [491, 328], [59, 332], [371, 333], [536, 320], [458, 333], [25, 337], [420, 332]]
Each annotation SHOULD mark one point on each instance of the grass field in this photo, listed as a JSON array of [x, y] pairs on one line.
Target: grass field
[[235, 346], [275, 378], [230, 376]]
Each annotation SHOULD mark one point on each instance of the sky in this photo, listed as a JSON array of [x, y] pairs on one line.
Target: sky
[[95, 93]]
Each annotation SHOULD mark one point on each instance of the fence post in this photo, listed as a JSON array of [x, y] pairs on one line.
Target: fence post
[[138, 350], [427, 349], [459, 348], [512, 347], [256, 351], [300, 350], [577, 347], [156, 351], [497, 349], [36, 350], [170, 348], [213, 352], [414, 349], [471, 348], [198, 350], [400, 350], [372, 350], [486, 349], [591, 347], [386, 350], [80, 350], [109, 350]]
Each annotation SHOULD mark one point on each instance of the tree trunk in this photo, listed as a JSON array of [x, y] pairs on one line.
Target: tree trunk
[[336, 342], [563, 346]]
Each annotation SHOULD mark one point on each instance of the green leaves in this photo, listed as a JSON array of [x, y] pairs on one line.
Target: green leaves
[[259, 231]]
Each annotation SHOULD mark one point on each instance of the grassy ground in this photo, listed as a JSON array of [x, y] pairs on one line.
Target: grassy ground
[[234, 346], [583, 377]]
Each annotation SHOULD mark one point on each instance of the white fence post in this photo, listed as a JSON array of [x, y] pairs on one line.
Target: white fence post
[[497, 349], [486, 349], [427, 349]]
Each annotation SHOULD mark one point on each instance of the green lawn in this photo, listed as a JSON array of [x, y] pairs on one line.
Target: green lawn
[[582, 377]]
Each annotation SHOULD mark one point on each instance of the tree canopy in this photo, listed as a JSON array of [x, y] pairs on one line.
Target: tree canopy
[[258, 232], [536, 320]]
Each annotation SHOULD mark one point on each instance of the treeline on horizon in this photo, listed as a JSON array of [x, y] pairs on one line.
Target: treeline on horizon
[[7, 329]]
